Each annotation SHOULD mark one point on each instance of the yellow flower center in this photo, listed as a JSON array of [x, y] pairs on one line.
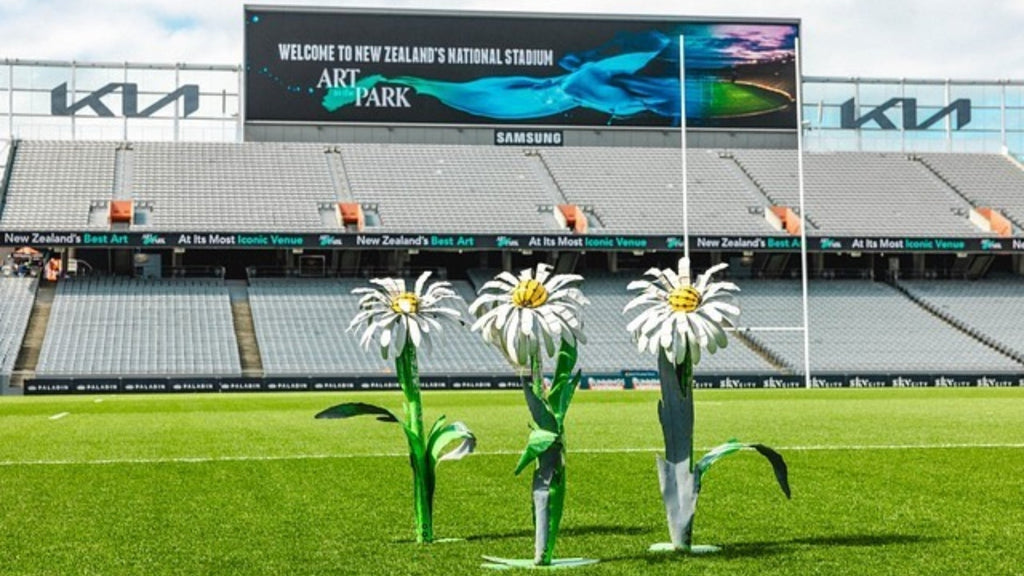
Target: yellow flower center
[[405, 303], [529, 294], [684, 299]]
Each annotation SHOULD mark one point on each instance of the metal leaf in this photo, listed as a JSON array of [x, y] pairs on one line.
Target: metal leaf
[[442, 437], [778, 465], [540, 440], [731, 447], [351, 409]]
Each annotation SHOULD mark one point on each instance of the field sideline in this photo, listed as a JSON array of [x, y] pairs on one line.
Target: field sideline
[[922, 481]]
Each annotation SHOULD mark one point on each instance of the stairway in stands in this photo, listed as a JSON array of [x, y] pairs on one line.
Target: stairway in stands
[[245, 330], [956, 323], [777, 361], [32, 344]]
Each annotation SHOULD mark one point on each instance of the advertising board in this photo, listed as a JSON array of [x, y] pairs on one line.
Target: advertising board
[[319, 66]]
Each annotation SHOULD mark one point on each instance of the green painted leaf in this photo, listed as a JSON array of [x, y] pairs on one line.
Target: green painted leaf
[[556, 504], [539, 441], [733, 446], [437, 426], [417, 448], [567, 393], [540, 410], [441, 438], [563, 385], [351, 409], [778, 466], [718, 453]]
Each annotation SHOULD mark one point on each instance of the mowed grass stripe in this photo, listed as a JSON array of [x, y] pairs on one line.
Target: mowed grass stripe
[[155, 427], [852, 513], [652, 450], [884, 482]]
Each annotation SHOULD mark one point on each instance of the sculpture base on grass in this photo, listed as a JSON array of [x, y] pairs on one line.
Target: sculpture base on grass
[[495, 563], [695, 550]]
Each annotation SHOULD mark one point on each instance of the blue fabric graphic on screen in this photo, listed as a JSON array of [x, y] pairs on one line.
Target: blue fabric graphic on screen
[[609, 84]]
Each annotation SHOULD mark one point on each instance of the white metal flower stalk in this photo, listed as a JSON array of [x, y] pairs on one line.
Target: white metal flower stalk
[[677, 322], [400, 322], [528, 317]]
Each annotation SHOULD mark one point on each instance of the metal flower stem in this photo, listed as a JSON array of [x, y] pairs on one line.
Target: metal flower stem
[[679, 484], [423, 486], [548, 477]]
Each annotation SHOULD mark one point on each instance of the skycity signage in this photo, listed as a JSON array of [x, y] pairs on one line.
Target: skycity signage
[[625, 380]]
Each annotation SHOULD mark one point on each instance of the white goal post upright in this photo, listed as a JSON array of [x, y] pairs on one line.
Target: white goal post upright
[[803, 211], [682, 148], [805, 328]]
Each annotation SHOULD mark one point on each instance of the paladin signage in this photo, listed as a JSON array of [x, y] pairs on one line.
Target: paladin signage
[[848, 114], [189, 94]]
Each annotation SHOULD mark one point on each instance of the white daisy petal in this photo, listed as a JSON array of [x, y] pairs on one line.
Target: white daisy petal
[[543, 272], [414, 332], [390, 285], [526, 320], [367, 338], [549, 342], [702, 280], [638, 285], [512, 327], [399, 336], [559, 281], [512, 351], [717, 333], [498, 285], [665, 334], [715, 287], [671, 276], [725, 309], [420, 282], [508, 278]]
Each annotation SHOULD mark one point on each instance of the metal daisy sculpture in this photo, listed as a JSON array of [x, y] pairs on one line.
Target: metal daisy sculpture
[[679, 320], [529, 317], [399, 322]]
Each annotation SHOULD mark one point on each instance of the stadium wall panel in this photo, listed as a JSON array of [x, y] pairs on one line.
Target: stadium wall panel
[[478, 136]]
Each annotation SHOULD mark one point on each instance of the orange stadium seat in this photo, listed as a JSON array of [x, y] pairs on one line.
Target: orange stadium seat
[[999, 223], [575, 219], [121, 211], [352, 215]]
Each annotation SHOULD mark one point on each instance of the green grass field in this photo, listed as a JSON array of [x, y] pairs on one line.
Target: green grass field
[[884, 482], [731, 100]]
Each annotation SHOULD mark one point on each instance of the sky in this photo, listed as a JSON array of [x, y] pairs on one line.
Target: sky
[[981, 39]]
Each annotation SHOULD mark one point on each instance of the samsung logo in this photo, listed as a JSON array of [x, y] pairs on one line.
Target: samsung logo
[[527, 137]]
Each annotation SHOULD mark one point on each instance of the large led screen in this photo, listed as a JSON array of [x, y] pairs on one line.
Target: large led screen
[[458, 68]]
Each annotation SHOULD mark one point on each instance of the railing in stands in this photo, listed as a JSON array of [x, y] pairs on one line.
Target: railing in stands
[[5, 181], [193, 272]]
